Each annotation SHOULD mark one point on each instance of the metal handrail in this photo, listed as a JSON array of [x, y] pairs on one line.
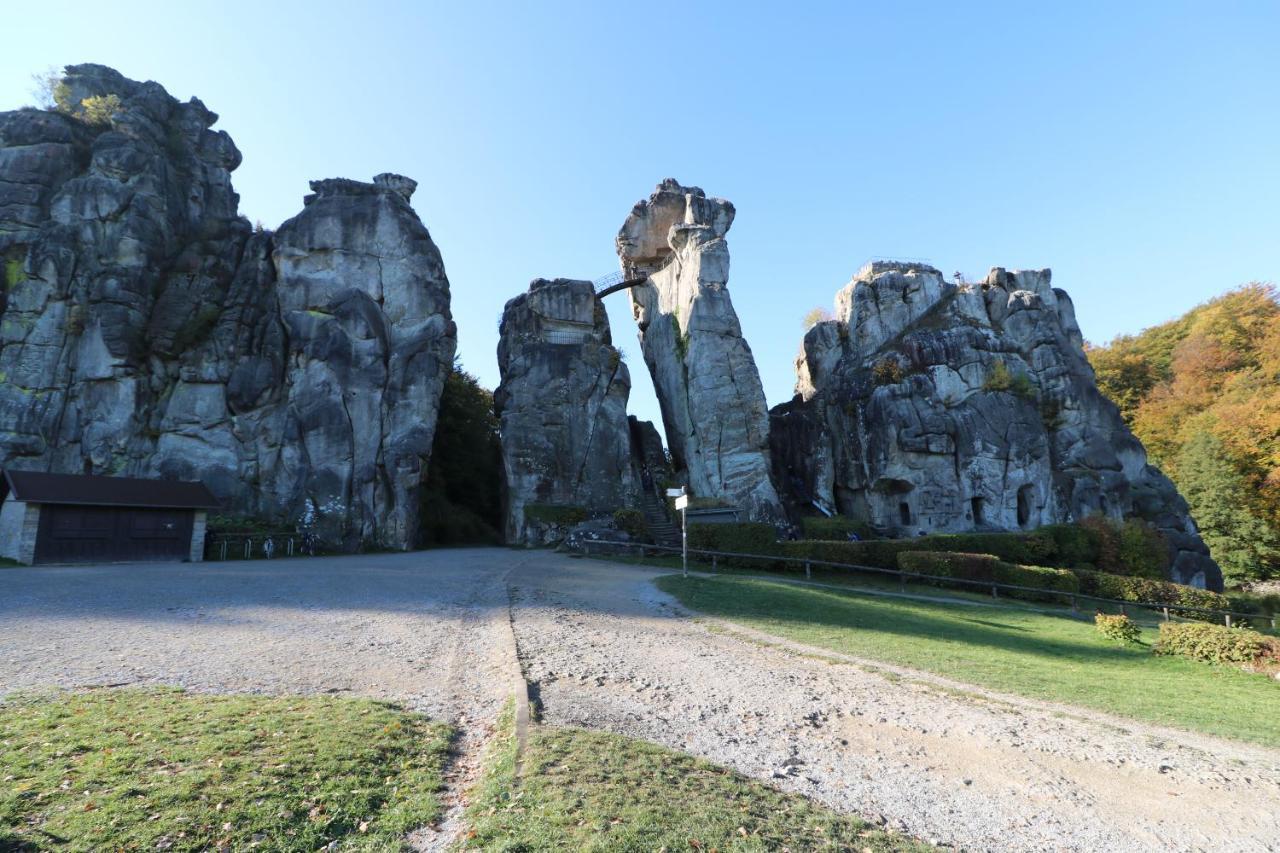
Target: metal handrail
[[290, 544], [1166, 609]]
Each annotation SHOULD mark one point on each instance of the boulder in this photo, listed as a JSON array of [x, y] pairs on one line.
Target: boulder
[[933, 406], [713, 405]]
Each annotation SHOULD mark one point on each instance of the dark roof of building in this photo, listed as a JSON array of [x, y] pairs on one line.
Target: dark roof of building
[[39, 487]]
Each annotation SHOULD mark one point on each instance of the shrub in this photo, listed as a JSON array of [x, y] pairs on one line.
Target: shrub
[[835, 528], [631, 522], [99, 109], [13, 272], [1002, 379], [1073, 544], [1118, 628], [974, 567], [1167, 593], [984, 567], [1216, 644], [887, 371], [743, 538], [556, 513]]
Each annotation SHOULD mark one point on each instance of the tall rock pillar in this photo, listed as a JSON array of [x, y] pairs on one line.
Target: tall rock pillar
[[562, 404], [713, 405]]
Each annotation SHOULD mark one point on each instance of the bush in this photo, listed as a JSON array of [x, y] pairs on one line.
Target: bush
[[556, 513], [743, 538], [887, 371], [1105, 585], [1073, 544], [98, 109], [631, 522], [1216, 644], [1132, 547], [1118, 628], [836, 528], [985, 568]]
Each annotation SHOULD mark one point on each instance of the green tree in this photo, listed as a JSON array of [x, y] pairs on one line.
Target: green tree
[[461, 498], [1245, 546]]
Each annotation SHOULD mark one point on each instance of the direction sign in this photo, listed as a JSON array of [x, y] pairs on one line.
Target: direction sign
[[682, 502]]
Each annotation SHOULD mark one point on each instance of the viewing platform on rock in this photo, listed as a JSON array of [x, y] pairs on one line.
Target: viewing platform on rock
[[626, 279]]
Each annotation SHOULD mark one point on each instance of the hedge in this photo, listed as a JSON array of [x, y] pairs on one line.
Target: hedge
[[1217, 644], [985, 568], [1106, 585], [749, 537], [836, 528], [883, 553]]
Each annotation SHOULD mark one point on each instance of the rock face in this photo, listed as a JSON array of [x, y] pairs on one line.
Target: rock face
[[708, 388], [562, 406], [147, 330], [931, 406]]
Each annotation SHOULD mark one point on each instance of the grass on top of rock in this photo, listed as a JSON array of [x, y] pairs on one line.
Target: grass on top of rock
[[1016, 650], [164, 769], [593, 791]]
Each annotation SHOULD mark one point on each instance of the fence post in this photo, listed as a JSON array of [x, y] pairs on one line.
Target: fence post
[[1075, 605], [995, 591], [290, 546], [902, 581], [248, 547], [807, 574], [224, 549], [1166, 613], [1228, 618], [1123, 612]]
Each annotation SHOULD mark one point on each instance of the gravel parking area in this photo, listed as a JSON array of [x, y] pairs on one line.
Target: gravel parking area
[[605, 649]]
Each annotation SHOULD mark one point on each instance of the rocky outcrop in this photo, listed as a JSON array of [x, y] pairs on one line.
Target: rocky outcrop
[[147, 330], [933, 406], [713, 405], [562, 406]]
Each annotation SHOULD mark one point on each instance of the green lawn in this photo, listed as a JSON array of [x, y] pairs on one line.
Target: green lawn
[[164, 769], [589, 791], [1014, 650]]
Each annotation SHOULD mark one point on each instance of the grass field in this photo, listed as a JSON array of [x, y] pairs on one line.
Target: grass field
[[591, 791], [163, 769], [1016, 650]]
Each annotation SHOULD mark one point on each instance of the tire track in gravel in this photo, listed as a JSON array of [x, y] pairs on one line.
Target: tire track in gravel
[[915, 752]]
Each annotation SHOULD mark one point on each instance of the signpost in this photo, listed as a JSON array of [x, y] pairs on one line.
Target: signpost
[[682, 504]]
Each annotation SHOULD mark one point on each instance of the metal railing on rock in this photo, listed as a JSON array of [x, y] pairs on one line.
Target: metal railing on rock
[[1168, 611]]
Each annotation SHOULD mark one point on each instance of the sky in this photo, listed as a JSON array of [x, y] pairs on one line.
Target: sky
[[1134, 148]]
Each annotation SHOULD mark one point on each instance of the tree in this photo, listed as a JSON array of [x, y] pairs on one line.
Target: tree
[[99, 109], [461, 498], [1244, 545], [816, 316]]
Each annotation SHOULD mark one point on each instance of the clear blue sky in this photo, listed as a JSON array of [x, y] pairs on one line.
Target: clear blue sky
[[1132, 147]]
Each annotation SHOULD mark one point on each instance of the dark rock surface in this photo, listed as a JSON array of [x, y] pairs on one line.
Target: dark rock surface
[[562, 406], [941, 407], [147, 330]]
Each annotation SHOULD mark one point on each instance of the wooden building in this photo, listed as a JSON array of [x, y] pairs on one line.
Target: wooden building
[[75, 518]]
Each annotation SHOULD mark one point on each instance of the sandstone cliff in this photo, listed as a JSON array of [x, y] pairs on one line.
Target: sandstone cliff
[[147, 330], [942, 407], [562, 405], [708, 388]]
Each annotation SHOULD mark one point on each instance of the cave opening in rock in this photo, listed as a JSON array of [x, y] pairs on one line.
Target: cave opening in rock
[[904, 512], [1024, 505], [976, 505]]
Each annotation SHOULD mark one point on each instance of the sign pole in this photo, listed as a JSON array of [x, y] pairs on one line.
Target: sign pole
[[684, 540]]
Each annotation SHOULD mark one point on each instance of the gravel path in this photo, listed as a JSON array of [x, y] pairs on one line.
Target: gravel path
[[606, 650], [941, 761]]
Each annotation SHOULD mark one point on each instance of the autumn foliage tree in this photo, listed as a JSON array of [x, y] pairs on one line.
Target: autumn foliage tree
[[1203, 394]]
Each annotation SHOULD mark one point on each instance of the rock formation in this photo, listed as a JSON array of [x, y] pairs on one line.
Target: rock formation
[[147, 330], [562, 406], [708, 388], [927, 405]]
